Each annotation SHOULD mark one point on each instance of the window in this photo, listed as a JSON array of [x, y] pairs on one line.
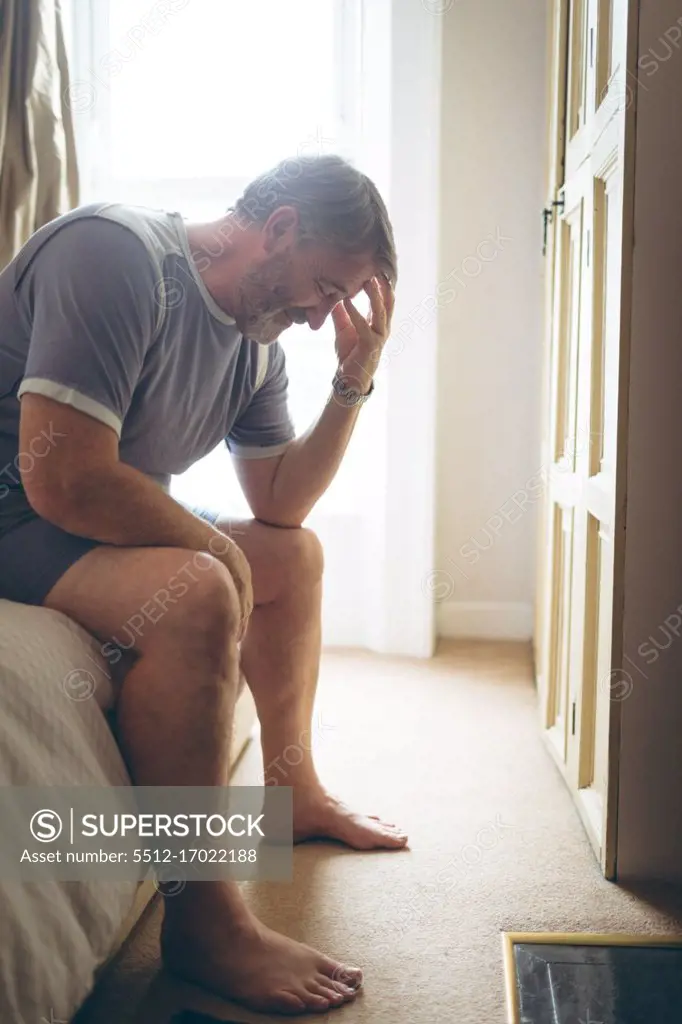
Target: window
[[179, 103]]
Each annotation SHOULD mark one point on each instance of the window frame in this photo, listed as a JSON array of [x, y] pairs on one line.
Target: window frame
[[87, 26]]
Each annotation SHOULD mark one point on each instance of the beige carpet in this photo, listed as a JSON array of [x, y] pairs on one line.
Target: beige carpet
[[451, 749]]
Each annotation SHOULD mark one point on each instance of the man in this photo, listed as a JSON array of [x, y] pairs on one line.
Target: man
[[130, 345]]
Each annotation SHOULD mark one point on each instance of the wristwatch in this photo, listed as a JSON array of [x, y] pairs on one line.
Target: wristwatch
[[350, 395]]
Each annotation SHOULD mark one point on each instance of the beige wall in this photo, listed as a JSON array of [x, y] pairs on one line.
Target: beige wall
[[490, 319]]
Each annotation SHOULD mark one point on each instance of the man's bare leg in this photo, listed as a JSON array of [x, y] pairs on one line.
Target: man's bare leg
[[175, 716], [281, 662]]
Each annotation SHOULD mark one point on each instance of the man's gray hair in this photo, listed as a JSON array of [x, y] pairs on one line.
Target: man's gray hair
[[336, 204]]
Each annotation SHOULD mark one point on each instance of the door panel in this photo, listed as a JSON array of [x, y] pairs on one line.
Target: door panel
[[599, 684], [577, 67], [609, 685], [567, 342], [605, 48], [561, 477]]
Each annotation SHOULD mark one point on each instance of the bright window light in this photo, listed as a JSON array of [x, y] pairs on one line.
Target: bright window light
[[222, 89], [178, 105]]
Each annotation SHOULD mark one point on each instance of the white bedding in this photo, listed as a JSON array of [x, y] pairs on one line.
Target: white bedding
[[52, 731]]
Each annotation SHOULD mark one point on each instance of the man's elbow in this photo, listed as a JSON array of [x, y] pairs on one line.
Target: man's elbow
[[271, 510], [273, 516], [57, 501], [294, 523]]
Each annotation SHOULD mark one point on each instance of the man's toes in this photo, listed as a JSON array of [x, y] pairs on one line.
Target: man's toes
[[387, 826], [347, 993], [327, 990], [390, 836], [316, 1000], [351, 977], [339, 988]]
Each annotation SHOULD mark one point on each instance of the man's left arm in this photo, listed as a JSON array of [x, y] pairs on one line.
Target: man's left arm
[[283, 490]]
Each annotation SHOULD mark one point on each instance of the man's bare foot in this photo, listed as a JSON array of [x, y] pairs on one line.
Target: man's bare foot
[[211, 939], [317, 815]]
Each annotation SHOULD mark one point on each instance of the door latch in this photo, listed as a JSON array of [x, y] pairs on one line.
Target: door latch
[[547, 215]]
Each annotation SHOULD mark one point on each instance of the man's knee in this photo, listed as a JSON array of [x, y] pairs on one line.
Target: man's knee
[[308, 554], [204, 610]]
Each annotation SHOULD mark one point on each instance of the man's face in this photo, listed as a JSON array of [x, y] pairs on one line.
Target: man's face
[[291, 281]]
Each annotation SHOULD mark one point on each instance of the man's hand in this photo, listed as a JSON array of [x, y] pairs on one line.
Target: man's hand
[[360, 341], [285, 491], [227, 551]]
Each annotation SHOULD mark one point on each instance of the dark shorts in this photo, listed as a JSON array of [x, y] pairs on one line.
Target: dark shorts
[[35, 554]]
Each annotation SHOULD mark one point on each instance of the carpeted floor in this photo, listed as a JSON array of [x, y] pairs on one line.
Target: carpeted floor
[[451, 749]]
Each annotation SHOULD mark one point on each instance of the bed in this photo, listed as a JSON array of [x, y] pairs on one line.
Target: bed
[[56, 693]]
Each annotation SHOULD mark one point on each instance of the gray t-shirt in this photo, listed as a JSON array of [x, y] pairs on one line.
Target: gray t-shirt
[[103, 309]]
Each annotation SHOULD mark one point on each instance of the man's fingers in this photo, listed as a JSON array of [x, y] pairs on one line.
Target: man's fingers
[[246, 603], [376, 299], [389, 300], [340, 317], [236, 563], [357, 319]]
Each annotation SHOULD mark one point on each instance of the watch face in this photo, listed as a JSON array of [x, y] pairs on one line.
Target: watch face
[[350, 395], [342, 389]]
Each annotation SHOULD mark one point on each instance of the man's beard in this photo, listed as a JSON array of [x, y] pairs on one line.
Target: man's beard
[[265, 303]]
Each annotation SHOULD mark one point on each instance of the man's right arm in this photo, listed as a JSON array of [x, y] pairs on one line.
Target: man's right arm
[[81, 486], [91, 295]]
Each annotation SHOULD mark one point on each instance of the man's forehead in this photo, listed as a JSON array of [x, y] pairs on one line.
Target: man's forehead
[[346, 274]]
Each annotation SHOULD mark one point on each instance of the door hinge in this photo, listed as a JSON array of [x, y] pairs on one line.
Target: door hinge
[[573, 719]]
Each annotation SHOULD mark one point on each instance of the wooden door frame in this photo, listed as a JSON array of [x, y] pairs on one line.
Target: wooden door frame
[[609, 858]]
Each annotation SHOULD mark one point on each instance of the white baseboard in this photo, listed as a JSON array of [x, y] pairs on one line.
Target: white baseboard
[[485, 620]]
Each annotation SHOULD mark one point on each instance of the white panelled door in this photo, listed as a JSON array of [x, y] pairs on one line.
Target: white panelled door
[[584, 214]]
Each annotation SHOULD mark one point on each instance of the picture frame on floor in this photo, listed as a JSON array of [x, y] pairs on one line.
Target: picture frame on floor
[[589, 978]]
